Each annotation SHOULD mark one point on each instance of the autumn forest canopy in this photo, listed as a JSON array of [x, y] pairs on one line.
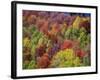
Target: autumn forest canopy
[[56, 39]]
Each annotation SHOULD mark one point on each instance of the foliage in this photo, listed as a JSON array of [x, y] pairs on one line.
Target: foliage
[[79, 34], [65, 58], [56, 39]]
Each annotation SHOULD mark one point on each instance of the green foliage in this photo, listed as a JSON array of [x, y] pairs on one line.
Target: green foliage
[[86, 61], [32, 65], [84, 39], [25, 64], [29, 64], [72, 33]]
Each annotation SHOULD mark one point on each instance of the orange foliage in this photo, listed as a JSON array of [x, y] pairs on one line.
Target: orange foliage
[[67, 44], [43, 61], [31, 19]]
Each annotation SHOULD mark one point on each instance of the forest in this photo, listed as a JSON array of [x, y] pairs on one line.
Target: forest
[[56, 39]]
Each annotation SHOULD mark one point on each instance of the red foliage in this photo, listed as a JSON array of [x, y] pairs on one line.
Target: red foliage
[[44, 27], [39, 22], [67, 44], [43, 61], [80, 53], [40, 50]]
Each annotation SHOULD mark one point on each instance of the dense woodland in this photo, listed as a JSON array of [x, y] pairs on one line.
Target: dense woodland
[[56, 39]]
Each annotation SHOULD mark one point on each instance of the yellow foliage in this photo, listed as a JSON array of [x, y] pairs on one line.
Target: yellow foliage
[[77, 22], [26, 42]]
